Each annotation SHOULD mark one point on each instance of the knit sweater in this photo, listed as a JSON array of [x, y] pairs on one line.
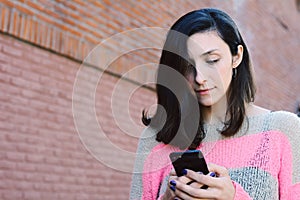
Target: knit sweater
[[263, 159]]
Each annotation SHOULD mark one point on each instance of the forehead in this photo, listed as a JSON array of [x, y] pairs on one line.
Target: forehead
[[200, 43]]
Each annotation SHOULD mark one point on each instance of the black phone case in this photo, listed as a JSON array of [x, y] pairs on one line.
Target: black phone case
[[191, 159]]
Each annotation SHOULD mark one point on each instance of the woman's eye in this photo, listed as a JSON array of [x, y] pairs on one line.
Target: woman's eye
[[212, 61]]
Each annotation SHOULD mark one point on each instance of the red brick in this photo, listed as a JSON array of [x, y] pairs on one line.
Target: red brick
[[60, 187], [26, 167], [23, 186], [25, 148], [16, 138], [34, 177], [11, 194], [60, 170], [68, 179], [52, 178], [31, 195], [15, 175], [5, 164], [10, 90], [49, 195], [3, 174], [43, 187], [31, 76], [13, 156], [34, 158], [12, 51]]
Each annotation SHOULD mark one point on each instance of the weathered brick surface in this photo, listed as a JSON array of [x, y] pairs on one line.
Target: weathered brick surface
[[42, 155]]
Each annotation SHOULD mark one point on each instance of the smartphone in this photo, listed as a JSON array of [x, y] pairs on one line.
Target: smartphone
[[190, 159]]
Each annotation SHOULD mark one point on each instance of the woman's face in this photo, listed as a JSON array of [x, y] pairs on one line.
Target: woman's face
[[213, 65]]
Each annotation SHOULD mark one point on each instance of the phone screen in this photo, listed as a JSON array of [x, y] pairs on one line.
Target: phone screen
[[191, 159]]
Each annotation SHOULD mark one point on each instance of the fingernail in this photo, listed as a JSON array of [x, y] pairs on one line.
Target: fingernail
[[213, 174], [200, 173], [172, 182], [172, 187], [184, 172]]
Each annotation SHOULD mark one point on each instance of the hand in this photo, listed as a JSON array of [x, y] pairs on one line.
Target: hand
[[170, 192], [219, 188]]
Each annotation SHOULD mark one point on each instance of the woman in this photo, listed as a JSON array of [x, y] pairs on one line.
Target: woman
[[252, 151]]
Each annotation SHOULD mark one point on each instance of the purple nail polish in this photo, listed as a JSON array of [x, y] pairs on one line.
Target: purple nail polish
[[172, 182], [213, 174], [184, 172], [173, 188]]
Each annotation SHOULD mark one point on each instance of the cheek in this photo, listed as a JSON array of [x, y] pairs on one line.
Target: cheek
[[225, 73]]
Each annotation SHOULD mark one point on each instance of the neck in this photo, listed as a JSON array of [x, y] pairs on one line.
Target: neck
[[215, 113]]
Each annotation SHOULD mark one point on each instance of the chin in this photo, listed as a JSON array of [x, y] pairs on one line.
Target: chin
[[205, 103]]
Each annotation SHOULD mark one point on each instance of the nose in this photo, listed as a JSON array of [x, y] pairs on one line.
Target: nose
[[199, 78]]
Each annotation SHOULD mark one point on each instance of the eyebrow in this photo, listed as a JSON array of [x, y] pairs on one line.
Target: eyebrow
[[208, 52]]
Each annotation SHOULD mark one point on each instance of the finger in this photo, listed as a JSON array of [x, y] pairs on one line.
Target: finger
[[178, 198], [202, 179], [195, 184], [184, 179], [188, 192], [170, 192], [173, 173], [219, 170]]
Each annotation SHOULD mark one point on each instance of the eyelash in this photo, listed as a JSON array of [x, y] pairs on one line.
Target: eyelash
[[211, 62]]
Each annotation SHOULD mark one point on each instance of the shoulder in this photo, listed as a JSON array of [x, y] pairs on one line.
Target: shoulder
[[285, 115], [148, 147], [285, 121], [157, 157], [147, 140], [273, 120], [145, 145], [161, 150], [286, 124]]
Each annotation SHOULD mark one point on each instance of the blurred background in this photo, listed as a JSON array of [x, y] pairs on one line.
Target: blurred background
[[43, 43]]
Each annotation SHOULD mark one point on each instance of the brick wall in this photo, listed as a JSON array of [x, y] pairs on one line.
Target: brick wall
[[42, 156], [48, 150]]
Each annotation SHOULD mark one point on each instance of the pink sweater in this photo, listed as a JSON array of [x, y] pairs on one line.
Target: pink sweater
[[263, 160]]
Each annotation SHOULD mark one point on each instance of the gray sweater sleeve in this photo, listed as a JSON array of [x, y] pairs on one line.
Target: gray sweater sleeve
[[146, 143], [289, 124]]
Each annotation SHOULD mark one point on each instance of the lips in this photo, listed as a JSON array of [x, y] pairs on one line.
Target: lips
[[204, 91]]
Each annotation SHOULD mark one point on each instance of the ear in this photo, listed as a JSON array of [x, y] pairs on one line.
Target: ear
[[237, 59]]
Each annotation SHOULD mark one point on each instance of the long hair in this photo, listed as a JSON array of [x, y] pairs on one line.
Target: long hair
[[178, 120]]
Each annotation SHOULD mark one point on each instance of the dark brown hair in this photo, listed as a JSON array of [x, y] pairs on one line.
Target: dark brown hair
[[179, 121]]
